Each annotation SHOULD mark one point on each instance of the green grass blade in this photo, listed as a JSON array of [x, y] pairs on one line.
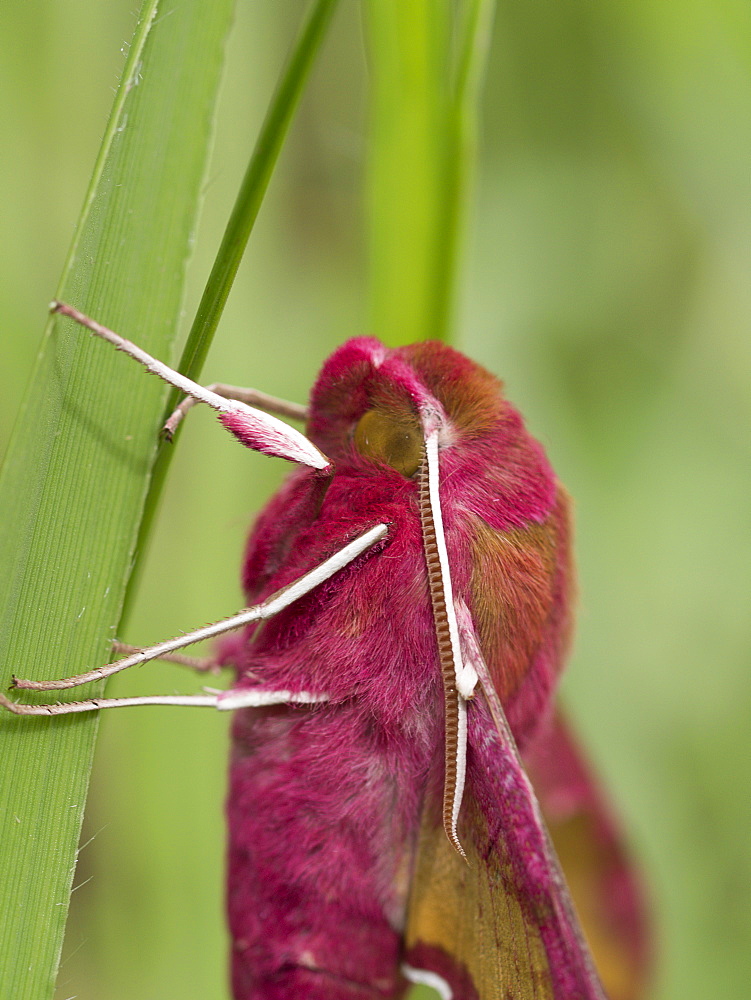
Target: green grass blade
[[426, 65], [254, 184], [472, 35], [409, 135], [73, 484], [240, 225]]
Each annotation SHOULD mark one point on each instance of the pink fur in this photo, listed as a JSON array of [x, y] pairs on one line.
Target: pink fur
[[325, 802]]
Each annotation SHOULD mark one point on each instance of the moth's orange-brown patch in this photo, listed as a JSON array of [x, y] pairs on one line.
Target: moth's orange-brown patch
[[513, 590], [470, 395]]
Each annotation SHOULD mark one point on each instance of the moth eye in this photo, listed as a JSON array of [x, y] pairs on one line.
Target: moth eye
[[397, 441]]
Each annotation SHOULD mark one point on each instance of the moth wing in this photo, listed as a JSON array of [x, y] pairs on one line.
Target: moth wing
[[589, 841], [502, 926]]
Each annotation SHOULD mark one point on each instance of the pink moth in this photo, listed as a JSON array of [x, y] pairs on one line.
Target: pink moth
[[409, 596]]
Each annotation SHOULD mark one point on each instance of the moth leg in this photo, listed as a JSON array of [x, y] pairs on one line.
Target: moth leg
[[203, 664], [251, 397], [254, 428], [226, 701], [423, 977], [157, 652], [273, 604]]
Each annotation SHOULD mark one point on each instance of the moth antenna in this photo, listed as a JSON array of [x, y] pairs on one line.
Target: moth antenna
[[254, 428], [447, 636]]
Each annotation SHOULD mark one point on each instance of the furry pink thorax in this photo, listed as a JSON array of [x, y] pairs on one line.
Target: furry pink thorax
[[324, 802]]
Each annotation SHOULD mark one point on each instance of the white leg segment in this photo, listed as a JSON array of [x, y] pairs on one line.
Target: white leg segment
[[421, 977], [253, 397], [270, 434], [267, 609], [203, 664], [224, 701]]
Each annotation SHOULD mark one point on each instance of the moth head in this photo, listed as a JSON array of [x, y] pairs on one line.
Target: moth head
[[370, 403], [378, 404]]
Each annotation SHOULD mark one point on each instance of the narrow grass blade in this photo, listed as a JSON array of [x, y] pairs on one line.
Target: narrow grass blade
[[73, 484], [255, 182], [240, 225], [426, 60]]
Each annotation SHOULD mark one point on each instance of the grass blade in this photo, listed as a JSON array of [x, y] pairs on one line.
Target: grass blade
[[254, 184], [74, 480], [240, 225], [426, 59]]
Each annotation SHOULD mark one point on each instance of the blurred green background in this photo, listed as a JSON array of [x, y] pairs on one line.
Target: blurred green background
[[606, 279]]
